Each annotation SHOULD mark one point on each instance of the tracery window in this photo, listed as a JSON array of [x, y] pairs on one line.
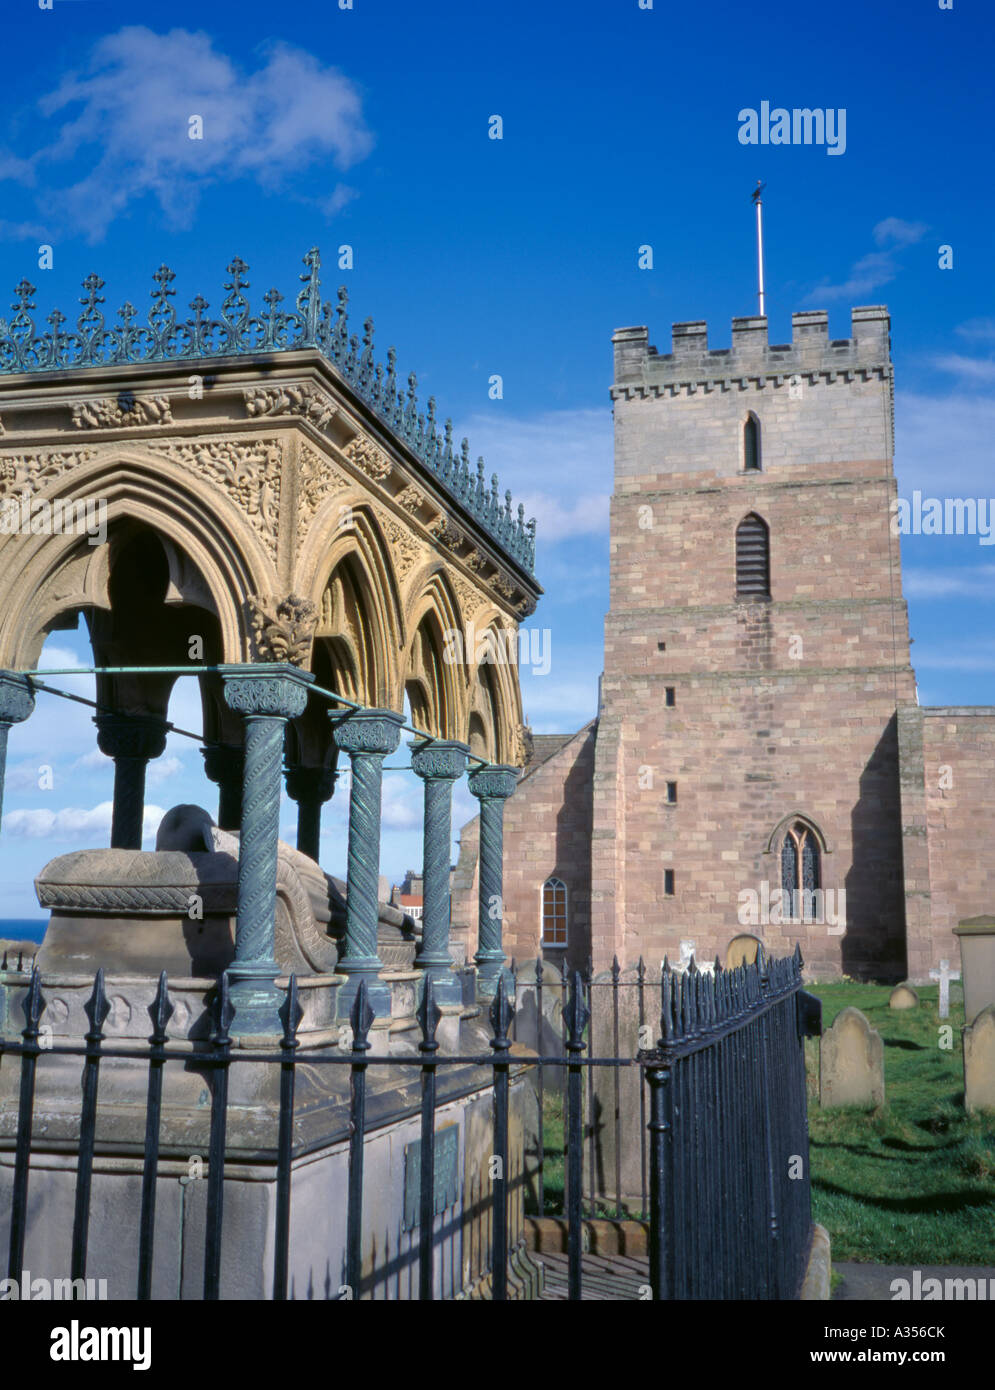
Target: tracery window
[[801, 871]]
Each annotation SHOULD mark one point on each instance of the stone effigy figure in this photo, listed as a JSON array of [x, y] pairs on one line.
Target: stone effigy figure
[[174, 908]]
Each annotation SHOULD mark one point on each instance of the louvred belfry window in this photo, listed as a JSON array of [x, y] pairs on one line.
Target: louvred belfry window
[[752, 558]]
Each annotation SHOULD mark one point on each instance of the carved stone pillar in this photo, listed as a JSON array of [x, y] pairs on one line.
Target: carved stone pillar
[[266, 696], [439, 763], [491, 786], [310, 787], [16, 703], [131, 740], [367, 736], [223, 765]]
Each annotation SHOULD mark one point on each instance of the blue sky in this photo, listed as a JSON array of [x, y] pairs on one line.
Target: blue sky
[[369, 126]]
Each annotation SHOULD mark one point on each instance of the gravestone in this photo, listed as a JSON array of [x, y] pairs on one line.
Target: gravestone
[[903, 997], [977, 959], [944, 975], [979, 1062], [851, 1062], [742, 950]]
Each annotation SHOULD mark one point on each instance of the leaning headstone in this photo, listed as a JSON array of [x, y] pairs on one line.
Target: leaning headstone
[[851, 1062], [979, 1062], [742, 950], [687, 955], [903, 997], [944, 975]]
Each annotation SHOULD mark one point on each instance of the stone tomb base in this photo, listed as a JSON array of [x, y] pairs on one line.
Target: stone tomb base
[[464, 1142]]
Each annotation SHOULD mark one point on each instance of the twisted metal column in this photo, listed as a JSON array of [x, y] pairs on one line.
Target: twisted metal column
[[310, 787], [131, 740], [223, 765], [439, 763], [367, 736], [266, 697], [491, 786], [16, 704]]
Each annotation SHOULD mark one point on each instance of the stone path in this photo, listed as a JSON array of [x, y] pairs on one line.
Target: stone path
[[611, 1278]]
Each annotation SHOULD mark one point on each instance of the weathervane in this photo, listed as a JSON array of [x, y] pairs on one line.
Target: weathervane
[[760, 242]]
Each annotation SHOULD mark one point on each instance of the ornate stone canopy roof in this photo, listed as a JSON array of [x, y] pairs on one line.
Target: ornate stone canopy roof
[[239, 332]]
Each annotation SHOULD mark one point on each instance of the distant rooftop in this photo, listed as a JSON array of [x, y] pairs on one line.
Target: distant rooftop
[[238, 332]]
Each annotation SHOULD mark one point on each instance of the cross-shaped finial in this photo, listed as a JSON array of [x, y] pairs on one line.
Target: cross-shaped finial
[[163, 277]]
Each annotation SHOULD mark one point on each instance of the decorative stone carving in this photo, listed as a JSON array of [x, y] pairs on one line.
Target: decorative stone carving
[[503, 585], [404, 545], [410, 498], [444, 530], [470, 598], [113, 412], [476, 561], [35, 470], [525, 608], [318, 479], [249, 472], [369, 457], [303, 401], [282, 628], [524, 746]]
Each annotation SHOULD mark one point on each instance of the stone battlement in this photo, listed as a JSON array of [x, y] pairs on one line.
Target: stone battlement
[[638, 363]]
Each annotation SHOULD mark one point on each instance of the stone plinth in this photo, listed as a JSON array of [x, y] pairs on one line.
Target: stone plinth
[[977, 954]]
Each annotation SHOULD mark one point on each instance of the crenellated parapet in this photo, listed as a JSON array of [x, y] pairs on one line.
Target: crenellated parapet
[[640, 369]]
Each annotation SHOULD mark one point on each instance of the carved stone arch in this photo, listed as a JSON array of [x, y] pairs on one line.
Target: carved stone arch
[[199, 524], [796, 817], [433, 664], [360, 626], [494, 693]]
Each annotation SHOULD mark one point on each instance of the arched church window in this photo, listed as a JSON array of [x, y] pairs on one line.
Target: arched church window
[[554, 912], [752, 558], [751, 444], [801, 871]]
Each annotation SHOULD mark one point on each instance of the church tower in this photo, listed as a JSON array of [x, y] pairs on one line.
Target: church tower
[[756, 651]]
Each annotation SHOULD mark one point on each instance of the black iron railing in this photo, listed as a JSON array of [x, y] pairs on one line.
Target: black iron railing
[[722, 1102]]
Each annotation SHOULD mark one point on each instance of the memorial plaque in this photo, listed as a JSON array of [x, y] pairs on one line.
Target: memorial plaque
[[446, 1175]]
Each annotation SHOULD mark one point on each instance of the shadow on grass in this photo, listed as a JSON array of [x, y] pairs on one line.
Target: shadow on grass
[[948, 1202], [905, 1043]]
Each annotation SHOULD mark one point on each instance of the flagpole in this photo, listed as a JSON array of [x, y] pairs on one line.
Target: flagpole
[[760, 246]]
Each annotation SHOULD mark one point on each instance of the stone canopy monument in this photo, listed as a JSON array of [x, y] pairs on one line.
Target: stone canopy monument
[[278, 518]]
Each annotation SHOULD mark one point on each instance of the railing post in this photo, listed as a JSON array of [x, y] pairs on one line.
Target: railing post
[[438, 763], [223, 765], [16, 704], [310, 787], [367, 735], [491, 786], [131, 740], [266, 696]]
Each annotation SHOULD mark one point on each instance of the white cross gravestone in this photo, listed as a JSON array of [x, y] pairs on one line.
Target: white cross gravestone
[[944, 975]]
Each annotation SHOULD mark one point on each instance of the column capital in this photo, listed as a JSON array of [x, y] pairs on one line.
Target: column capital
[[274, 690], [494, 783], [16, 697], [222, 761], [367, 731], [309, 783], [437, 759], [122, 735]]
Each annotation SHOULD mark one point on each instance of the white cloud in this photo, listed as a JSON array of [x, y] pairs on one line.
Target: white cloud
[[967, 368], [74, 823], [877, 268], [943, 444], [559, 464], [894, 232], [978, 582], [977, 329], [161, 769], [125, 130]]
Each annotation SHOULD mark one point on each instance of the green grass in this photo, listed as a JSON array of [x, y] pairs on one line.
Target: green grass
[[914, 1181]]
